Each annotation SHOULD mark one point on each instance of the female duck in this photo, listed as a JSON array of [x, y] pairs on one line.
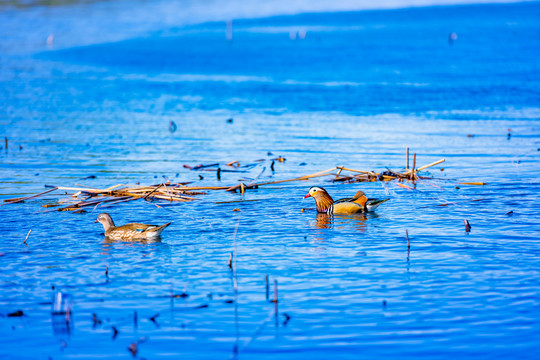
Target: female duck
[[355, 205], [132, 231]]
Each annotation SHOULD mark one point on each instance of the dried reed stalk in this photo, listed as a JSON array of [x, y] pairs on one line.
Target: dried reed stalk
[[179, 192], [407, 235], [151, 192], [407, 167], [353, 170], [13, 201], [424, 167], [413, 167], [26, 238]]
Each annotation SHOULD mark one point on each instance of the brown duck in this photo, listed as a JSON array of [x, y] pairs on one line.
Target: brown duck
[[355, 205], [133, 231]]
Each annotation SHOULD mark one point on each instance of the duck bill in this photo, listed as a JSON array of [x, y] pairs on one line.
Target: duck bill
[[307, 196], [96, 221]]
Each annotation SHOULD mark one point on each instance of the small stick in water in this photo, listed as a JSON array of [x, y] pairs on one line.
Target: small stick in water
[[5, 139], [230, 261], [275, 301], [467, 226], [407, 235], [275, 292], [407, 167], [95, 320], [267, 287], [135, 319], [272, 165], [413, 166], [68, 315], [218, 172], [27, 235], [107, 271]]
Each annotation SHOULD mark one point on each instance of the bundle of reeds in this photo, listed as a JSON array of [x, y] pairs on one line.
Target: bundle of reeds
[[92, 197], [84, 197]]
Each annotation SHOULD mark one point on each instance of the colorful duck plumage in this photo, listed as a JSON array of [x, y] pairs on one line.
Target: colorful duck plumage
[[355, 205], [133, 231]]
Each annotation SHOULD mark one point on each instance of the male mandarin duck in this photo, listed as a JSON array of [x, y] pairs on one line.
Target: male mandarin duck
[[355, 205], [132, 231]]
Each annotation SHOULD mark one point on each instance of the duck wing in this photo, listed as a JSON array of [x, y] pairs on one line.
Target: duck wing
[[344, 200], [136, 231], [135, 227], [346, 208], [359, 199]]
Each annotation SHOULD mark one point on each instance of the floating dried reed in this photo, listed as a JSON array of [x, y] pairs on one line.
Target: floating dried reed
[[182, 192], [26, 238]]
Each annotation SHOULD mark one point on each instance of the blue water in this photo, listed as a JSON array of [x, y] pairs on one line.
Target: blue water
[[356, 91]]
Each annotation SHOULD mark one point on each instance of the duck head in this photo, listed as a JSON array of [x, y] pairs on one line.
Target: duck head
[[322, 199], [106, 220]]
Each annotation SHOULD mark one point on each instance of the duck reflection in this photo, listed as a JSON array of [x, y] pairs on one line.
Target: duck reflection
[[108, 240], [62, 324], [109, 244], [325, 221], [62, 314], [358, 222]]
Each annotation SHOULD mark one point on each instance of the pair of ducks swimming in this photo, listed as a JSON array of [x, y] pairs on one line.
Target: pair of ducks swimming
[[325, 204]]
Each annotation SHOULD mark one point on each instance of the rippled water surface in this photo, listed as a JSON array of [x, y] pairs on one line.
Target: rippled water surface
[[355, 91]]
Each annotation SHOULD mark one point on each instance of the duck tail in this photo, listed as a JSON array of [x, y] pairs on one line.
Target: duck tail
[[372, 205], [157, 230]]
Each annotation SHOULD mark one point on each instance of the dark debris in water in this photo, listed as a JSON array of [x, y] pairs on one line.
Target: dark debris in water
[[96, 321], [467, 226], [133, 348], [153, 318], [17, 313], [287, 319], [172, 127], [115, 332], [182, 295]]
